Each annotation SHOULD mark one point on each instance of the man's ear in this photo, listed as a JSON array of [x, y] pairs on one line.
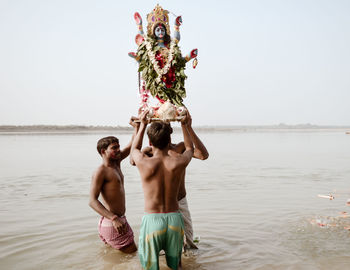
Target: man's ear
[[103, 151]]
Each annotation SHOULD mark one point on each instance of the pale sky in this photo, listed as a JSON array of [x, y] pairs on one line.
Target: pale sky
[[261, 62]]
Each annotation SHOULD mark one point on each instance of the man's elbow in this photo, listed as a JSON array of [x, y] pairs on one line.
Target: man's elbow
[[190, 150], [200, 155], [92, 203], [205, 156]]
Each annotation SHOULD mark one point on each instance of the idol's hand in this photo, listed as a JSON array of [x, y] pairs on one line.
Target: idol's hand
[[138, 18], [133, 55], [139, 39], [178, 21], [194, 53], [191, 55]]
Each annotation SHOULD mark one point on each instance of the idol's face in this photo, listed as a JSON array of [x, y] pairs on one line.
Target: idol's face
[[159, 31]]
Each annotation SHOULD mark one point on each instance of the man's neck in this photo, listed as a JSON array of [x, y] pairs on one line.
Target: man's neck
[[111, 163], [157, 152]]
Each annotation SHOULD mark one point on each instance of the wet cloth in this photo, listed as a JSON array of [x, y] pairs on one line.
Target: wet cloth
[[183, 209], [110, 236], [161, 231]]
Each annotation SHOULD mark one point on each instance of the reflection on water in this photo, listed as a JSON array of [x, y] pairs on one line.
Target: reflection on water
[[254, 203]]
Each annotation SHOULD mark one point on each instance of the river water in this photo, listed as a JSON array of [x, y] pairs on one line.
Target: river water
[[254, 202]]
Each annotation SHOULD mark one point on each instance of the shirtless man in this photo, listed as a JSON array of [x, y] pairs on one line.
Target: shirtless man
[[200, 152], [162, 225], [109, 181]]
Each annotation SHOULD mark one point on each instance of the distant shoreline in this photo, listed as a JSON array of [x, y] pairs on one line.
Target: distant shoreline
[[80, 129]]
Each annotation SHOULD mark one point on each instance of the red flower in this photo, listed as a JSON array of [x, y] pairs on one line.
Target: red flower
[[168, 78]]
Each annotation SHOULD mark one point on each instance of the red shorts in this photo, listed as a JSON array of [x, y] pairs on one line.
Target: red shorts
[[110, 236]]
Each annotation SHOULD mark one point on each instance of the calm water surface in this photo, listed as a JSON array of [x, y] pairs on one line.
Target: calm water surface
[[254, 202]]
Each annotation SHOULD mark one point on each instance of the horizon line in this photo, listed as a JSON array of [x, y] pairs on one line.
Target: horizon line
[[75, 126]]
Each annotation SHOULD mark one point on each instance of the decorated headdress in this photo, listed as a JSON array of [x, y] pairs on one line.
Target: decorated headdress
[[158, 15]]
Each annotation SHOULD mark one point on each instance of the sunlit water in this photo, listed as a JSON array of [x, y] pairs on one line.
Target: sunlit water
[[254, 202]]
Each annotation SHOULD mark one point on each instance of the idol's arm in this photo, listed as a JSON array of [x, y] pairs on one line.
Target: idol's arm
[[191, 55], [178, 22], [139, 37], [138, 21]]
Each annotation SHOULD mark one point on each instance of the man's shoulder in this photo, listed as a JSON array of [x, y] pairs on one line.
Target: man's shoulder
[[178, 147], [100, 170], [106, 173], [175, 159], [103, 169]]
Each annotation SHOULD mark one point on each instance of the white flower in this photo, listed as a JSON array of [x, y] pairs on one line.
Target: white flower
[[151, 56]]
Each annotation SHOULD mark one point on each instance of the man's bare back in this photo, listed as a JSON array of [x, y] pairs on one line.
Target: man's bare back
[[161, 178], [200, 152], [173, 151]]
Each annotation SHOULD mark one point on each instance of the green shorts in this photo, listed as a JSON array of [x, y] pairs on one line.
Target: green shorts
[[163, 231]]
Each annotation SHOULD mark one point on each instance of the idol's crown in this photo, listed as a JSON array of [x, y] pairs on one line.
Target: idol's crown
[[158, 15]]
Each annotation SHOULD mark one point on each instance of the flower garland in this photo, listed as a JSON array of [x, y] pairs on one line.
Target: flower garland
[[152, 57], [144, 96], [153, 75]]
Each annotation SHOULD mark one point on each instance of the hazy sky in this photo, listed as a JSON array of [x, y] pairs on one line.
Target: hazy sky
[[260, 62]]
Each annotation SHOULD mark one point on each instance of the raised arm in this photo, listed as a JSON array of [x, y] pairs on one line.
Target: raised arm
[[191, 55], [188, 153], [178, 22], [126, 151], [200, 151], [139, 37], [136, 154], [138, 21]]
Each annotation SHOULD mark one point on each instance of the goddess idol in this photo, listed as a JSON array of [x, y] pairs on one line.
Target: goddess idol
[[162, 65]]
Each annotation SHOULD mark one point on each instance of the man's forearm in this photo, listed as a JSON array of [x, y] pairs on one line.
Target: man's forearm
[[187, 138], [99, 208], [136, 129], [126, 150], [200, 151], [137, 141]]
